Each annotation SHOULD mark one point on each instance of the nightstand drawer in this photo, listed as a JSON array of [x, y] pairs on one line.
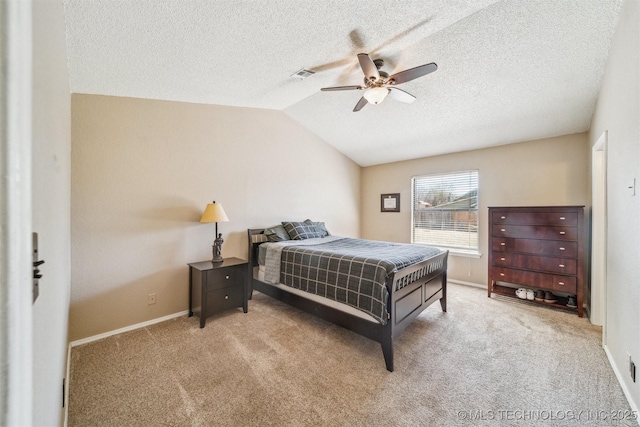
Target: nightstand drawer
[[225, 298], [223, 278]]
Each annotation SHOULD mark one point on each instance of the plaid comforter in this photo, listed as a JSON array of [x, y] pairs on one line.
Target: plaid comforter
[[350, 271]]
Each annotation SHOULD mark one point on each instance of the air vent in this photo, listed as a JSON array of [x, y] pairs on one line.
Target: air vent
[[301, 74]]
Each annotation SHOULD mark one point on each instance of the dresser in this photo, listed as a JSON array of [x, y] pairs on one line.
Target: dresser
[[539, 248], [214, 287]]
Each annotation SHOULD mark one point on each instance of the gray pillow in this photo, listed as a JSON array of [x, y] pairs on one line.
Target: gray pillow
[[302, 231], [319, 226], [276, 234]]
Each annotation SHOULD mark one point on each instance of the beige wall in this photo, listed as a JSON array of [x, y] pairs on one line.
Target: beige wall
[[142, 172], [550, 171], [618, 113]]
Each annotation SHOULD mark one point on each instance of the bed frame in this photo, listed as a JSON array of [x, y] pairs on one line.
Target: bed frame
[[411, 290]]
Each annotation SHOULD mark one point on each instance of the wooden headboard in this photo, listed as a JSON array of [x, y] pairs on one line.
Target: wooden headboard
[[256, 236]]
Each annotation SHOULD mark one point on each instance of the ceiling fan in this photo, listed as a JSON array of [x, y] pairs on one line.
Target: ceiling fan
[[379, 84]]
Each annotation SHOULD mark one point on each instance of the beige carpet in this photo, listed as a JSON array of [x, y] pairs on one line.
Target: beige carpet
[[484, 362]]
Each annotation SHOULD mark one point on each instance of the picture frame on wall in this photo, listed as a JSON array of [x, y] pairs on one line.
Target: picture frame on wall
[[390, 202]]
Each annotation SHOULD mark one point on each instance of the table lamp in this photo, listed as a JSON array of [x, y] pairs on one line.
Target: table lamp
[[215, 213]]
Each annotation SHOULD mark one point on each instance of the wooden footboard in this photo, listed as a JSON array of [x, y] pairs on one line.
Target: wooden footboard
[[411, 290]]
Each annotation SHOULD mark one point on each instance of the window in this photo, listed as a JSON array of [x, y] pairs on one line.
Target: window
[[445, 210]]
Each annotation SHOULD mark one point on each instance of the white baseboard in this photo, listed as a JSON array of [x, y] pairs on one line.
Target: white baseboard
[[127, 329], [625, 390], [462, 282]]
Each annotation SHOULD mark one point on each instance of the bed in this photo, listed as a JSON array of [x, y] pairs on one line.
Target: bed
[[317, 281]]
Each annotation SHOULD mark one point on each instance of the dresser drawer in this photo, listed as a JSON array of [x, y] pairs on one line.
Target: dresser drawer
[[503, 244], [535, 218], [535, 263], [222, 278], [535, 280], [535, 232], [547, 247], [538, 247]]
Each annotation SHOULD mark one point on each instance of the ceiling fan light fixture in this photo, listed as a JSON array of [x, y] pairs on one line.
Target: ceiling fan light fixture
[[378, 84], [376, 95]]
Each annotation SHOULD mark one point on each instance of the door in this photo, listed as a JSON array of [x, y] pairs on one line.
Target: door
[[599, 232]]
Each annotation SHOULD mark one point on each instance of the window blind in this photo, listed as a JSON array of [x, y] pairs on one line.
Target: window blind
[[445, 210]]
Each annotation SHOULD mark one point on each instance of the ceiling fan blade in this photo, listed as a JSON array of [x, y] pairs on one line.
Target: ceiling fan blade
[[368, 67], [342, 88], [412, 73], [401, 95], [363, 101]]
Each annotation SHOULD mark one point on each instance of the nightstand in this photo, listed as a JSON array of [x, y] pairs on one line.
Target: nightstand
[[214, 287]]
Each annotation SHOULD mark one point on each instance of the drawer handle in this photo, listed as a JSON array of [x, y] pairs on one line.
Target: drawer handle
[[502, 229], [561, 265], [502, 274], [562, 249], [562, 218], [503, 217], [226, 277], [562, 232], [502, 259], [502, 244], [561, 283]]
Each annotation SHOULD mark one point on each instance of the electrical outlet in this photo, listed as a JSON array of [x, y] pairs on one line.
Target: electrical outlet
[[151, 299]]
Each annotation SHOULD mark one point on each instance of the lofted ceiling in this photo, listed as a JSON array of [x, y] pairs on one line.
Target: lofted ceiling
[[508, 70]]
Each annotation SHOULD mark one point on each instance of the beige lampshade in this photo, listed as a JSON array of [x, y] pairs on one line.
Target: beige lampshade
[[214, 213]]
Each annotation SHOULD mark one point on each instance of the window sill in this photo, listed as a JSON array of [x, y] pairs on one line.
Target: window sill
[[464, 254]]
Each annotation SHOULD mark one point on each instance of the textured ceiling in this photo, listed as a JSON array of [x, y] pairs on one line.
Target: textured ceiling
[[508, 71]]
